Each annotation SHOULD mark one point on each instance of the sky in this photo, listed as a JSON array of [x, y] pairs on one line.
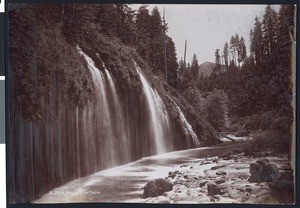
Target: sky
[[207, 27]]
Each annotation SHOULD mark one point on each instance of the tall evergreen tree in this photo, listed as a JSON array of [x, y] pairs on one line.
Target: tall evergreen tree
[[256, 43], [156, 42], [241, 48], [285, 31], [181, 69], [172, 62], [269, 40], [195, 67], [234, 46], [142, 23], [252, 51], [226, 54], [218, 61], [125, 23]]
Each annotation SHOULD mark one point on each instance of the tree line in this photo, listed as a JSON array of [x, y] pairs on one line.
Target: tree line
[[259, 83], [140, 29]]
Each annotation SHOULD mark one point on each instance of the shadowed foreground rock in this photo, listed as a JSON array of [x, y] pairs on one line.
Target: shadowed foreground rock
[[261, 172], [213, 189], [157, 187]]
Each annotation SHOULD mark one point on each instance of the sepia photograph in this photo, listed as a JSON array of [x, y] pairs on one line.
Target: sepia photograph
[[151, 103]]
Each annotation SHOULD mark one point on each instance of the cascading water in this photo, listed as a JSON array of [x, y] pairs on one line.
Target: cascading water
[[188, 130], [116, 127], [103, 116], [120, 125], [159, 124]]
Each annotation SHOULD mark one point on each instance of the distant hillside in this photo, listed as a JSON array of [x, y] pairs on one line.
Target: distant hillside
[[206, 68]]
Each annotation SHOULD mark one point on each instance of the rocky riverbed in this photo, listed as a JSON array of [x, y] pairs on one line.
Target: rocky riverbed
[[205, 175]]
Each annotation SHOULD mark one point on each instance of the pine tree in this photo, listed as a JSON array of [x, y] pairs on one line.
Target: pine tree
[[269, 40], [181, 69], [252, 51], [195, 67], [285, 33], [226, 54], [241, 48], [234, 45], [142, 23], [218, 61], [125, 23], [156, 42], [256, 43], [172, 62]]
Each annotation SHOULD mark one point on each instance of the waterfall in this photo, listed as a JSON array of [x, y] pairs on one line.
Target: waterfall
[[104, 124], [188, 130], [120, 125], [159, 123], [114, 128]]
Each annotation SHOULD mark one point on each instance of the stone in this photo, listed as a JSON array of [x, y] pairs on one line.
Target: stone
[[180, 182], [263, 172], [248, 189], [217, 197], [220, 180], [157, 187], [217, 167], [241, 189], [171, 176], [213, 189], [177, 191], [220, 172], [283, 185], [177, 172], [262, 161], [202, 183]]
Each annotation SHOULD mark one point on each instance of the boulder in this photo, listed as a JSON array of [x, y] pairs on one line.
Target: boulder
[[262, 161], [248, 189], [220, 180], [283, 185], [217, 167], [220, 172], [263, 172], [202, 183], [157, 187], [213, 189]]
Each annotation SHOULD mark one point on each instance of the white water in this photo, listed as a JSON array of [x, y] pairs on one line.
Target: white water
[[108, 119], [188, 130], [103, 117], [120, 124], [158, 115]]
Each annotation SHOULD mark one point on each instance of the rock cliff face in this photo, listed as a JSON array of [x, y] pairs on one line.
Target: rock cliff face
[[77, 107]]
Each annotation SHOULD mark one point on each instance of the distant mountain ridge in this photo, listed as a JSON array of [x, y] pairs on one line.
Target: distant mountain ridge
[[206, 68]]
